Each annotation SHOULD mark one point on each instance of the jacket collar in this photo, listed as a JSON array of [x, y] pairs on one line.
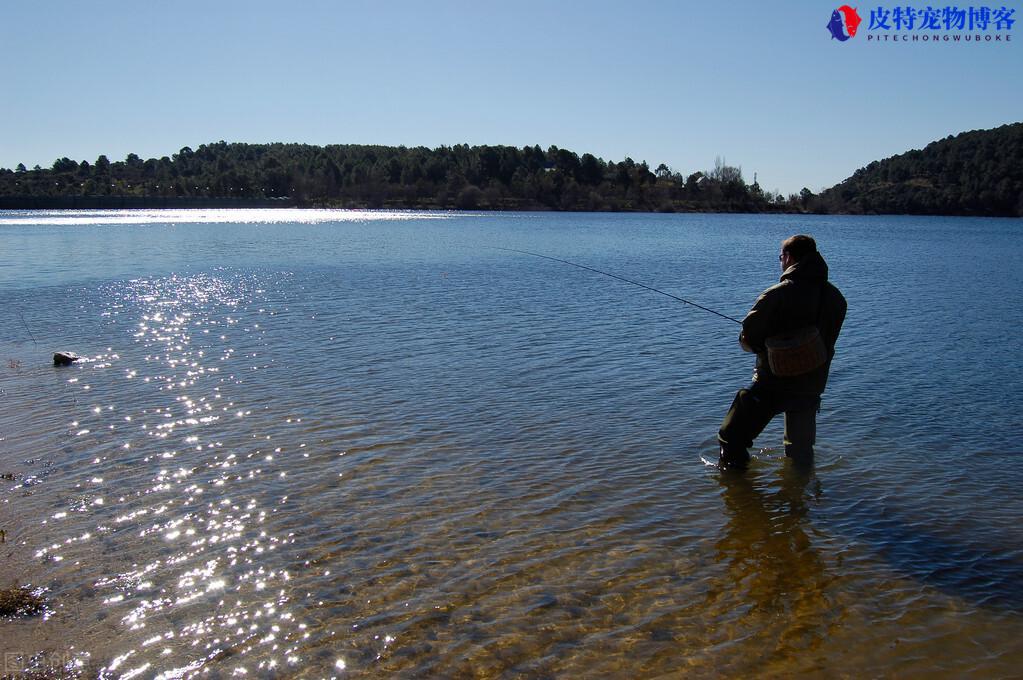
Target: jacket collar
[[810, 267]]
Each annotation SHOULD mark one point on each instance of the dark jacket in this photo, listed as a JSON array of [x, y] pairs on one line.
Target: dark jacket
[[803, 298]]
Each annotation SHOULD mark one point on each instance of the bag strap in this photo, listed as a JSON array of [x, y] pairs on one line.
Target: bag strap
[[820, 303]]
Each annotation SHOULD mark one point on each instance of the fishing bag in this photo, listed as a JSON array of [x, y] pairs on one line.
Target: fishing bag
[[799, 351], [796, 352]]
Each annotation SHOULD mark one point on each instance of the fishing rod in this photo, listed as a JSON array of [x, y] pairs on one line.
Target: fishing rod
[[620, 278]]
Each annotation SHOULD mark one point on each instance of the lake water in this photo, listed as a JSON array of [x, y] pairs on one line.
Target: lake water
[[370, 444]]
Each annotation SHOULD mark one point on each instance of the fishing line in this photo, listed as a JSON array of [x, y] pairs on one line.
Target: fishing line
[[620, 278], [25, 323]]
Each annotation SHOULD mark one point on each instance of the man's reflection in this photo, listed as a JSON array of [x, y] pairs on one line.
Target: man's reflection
[[778, 577]]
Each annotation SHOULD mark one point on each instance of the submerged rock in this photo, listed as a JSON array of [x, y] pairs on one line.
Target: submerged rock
[[64, 358], [19, 602]]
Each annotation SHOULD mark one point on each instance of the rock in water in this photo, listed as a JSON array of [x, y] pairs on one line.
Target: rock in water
[[64, 358], [19, 602]]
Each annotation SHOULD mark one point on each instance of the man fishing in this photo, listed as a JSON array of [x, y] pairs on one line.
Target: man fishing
[[792, 328]]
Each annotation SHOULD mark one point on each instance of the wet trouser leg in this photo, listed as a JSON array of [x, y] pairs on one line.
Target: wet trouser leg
[[749, 414], [801, 432], [751, 411]]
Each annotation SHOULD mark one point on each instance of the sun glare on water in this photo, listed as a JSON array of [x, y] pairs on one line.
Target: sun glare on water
[[220, 216]]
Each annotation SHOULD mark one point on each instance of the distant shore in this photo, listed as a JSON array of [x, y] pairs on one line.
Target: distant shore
[[170, 202], [135, 202], [200, 202]]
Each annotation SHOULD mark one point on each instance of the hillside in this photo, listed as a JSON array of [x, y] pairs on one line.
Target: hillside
[[973, 173]]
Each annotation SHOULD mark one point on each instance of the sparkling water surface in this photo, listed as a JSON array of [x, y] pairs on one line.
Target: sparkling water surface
[[370, 444]]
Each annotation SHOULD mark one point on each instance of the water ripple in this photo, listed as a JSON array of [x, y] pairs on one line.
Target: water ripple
[[384, 458]]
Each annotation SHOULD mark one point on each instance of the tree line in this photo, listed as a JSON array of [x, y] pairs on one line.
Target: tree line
[[973, 173], [365, 176]]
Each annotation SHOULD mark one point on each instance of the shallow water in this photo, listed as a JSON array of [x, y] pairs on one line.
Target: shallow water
[[326, 443]]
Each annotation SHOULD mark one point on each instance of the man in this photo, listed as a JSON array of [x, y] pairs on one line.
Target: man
[[803, 299]]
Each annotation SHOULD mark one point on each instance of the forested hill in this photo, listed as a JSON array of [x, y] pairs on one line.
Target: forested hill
[[352, 176], [973, 173]]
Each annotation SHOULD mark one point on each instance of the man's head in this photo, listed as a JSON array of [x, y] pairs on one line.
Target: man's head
[[795, 248]]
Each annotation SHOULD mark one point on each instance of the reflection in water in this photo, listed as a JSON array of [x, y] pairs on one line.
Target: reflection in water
[[778, 575], [213, 216], [179, 490]]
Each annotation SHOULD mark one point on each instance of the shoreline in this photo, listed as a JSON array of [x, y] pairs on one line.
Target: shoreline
[[134, 202], [170, 202], [43, 203]]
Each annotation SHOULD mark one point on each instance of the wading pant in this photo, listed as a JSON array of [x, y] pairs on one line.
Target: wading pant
[[751, 411]]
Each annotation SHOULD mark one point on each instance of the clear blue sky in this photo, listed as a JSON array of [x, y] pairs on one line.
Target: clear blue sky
[[761, 85]]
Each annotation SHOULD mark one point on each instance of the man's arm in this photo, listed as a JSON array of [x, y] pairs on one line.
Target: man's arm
[[756, 326]]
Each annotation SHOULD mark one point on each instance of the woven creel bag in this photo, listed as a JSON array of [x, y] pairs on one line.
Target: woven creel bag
[[796, 352]]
